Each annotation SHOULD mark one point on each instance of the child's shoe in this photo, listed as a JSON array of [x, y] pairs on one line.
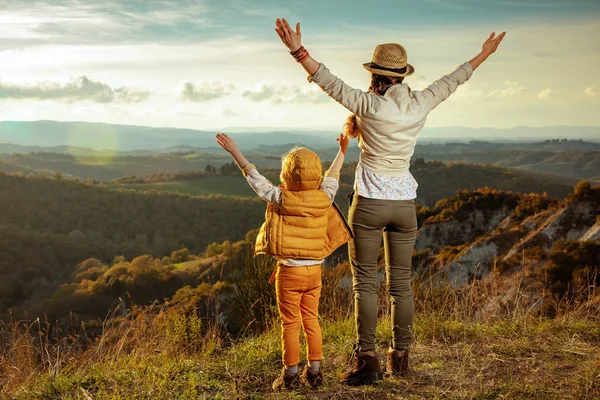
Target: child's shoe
[[312, 378], [286, 380], [397, 362]]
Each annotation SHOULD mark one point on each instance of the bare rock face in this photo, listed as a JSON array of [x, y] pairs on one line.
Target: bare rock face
[[572, 222], [474, 263], [453, 233], [592, 234]]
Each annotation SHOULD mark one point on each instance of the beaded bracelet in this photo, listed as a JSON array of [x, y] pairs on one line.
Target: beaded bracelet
[[293, 53], [300, 55]]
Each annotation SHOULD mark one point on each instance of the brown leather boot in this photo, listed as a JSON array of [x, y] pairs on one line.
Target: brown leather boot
[[286, 381], [309, 377], [365, 370], [397, 362]]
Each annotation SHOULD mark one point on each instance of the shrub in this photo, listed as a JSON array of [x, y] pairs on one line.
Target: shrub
[[252, 303], [531, 204], [569, 262], [179, 256], [582, 189]]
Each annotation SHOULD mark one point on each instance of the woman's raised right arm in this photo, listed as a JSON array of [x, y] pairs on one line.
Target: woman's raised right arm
[[355, 100]]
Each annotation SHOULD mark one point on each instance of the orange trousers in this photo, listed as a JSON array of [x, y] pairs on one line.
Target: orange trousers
[[298, 291]]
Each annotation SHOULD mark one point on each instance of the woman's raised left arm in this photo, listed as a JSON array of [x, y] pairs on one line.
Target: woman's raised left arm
[[292, 40]]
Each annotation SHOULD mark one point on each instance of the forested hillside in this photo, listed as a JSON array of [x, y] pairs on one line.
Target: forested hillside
[[48, 226]]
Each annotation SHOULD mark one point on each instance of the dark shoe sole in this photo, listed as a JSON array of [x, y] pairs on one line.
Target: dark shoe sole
[[395, 374], [306, 382], [293, 387], [362, 380]]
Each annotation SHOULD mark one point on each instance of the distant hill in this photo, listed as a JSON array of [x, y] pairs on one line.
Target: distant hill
[[436, 181], [109, 167], [103, 151], [562, 165], [102, 137]]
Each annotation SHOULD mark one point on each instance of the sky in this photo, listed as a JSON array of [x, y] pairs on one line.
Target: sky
[[209, 64]]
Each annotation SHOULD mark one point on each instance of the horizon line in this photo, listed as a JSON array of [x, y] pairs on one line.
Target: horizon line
[[280, 128]]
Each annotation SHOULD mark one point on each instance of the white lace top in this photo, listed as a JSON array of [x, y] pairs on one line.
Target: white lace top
[[374, 186]]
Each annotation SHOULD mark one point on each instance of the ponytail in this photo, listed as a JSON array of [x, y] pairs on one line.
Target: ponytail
[[350, 127]]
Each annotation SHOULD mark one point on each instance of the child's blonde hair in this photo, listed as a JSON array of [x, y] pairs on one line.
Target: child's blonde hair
[[301, 169]]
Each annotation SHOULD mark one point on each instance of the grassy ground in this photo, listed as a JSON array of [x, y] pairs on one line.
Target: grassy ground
[[459, 353], [536, 359]]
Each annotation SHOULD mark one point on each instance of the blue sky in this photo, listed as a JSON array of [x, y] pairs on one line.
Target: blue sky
[[209, 64]]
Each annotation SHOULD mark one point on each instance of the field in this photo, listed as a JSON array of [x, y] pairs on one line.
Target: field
[[207, 185]]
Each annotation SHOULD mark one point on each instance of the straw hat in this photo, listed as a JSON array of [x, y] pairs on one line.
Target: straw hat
[[390, 60]]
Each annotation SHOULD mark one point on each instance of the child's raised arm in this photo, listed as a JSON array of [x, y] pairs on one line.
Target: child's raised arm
[[336, 165], [229, 145], [261, 185]]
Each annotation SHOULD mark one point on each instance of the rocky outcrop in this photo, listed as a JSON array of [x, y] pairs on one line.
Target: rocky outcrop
[[572, 222], [592, 234], [453, 233], [507, 238], [475, 263]]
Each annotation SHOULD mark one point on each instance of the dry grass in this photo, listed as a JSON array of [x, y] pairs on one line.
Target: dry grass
[[465, 348]]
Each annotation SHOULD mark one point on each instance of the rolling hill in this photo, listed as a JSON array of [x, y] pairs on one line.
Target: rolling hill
[[103, 137]]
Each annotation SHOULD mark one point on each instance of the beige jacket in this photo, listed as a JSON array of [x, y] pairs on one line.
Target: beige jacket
[[390, 125]]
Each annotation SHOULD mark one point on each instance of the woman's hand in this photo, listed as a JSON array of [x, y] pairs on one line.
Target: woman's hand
[[343, 141], [488, 48], [287, 35], [226, 142], [491, 44]]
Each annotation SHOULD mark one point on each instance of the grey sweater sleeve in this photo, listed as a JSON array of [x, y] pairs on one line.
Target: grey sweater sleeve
[[355, 100], [441, 89]]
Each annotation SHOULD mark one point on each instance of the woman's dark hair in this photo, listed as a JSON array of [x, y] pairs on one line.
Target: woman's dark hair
[[379, 85]]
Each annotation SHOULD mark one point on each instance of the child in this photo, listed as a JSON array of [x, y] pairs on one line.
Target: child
[[303, 226]]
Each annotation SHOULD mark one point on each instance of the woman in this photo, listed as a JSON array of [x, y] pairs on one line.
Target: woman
[[387, 120]]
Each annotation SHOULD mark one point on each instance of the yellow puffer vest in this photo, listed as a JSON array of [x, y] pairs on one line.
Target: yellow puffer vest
[[306, 225]]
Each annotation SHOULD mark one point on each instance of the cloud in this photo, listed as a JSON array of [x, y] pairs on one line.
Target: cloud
[[204, 92], [109, 21], [513, 88], [591, 91], [545, 94], [79, 89], [285, 94], [466, 94], [222, 111]]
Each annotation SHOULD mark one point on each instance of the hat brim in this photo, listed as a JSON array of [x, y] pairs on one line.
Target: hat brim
[[378, 71]]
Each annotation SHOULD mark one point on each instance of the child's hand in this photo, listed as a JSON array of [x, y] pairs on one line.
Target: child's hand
[[343, 141], [226, 142]]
